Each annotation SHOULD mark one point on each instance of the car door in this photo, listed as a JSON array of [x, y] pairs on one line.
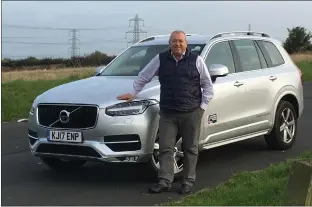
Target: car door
[[251, 70], [223, 118]]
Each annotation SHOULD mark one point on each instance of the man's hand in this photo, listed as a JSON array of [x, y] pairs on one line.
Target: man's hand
[[128, 97]]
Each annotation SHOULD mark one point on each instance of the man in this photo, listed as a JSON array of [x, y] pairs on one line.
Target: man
[[182, 75]]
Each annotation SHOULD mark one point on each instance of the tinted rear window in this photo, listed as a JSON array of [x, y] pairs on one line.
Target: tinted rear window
[[274, 54]]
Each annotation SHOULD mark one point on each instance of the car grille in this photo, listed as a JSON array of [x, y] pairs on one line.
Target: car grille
[[81, 116]]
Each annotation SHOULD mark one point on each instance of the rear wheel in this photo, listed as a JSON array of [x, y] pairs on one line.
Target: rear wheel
[[284, 131], [63, 164]]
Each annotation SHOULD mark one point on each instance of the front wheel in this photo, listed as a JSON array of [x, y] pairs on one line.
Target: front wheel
[[177, 157], [284, 130]]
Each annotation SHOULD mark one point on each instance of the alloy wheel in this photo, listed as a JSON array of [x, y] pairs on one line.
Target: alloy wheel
[[177, 156], [288, 126]]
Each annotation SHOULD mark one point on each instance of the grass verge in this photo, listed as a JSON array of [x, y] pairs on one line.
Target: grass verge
[[264, 187]]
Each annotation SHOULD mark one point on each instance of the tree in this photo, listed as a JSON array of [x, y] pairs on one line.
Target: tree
[[298, 40]]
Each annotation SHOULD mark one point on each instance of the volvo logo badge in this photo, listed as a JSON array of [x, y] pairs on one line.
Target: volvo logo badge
[[64, 116]]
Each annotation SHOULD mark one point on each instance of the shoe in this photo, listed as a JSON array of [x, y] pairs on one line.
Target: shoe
[[185, 189], [159, 189]]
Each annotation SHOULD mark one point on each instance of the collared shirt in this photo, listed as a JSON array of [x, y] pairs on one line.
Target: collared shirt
[[151, 70], [174, 57]]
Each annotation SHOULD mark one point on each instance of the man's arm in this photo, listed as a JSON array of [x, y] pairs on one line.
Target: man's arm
[[146, 75], [206, 83]]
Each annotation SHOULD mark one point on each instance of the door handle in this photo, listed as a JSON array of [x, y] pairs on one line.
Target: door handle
[[237, 83], [273, 78]]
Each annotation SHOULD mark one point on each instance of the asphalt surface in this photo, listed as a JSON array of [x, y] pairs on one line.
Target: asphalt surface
[[26, 181]]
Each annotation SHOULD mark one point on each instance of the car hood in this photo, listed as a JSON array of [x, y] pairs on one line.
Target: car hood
[[99, 90]]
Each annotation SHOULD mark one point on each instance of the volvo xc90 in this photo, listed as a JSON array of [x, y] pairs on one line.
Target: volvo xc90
[[258, 92]]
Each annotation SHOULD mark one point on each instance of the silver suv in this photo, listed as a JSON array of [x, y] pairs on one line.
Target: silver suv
[[258, 91]]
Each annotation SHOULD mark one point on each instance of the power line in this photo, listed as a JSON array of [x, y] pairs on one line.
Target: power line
[[73, 40], [33, 27], [102, 40], [36, 43], [58, 28], [162, 31], [26, 56], [90, 38], [23, 37], [62, 43], [136, 29]]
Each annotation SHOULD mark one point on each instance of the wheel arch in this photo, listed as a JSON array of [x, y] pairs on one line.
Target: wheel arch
[[286, 94]]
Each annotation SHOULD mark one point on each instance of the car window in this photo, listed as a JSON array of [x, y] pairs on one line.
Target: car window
[[274, 54], [221, 53], [247, 54], [264, 64], [135, 58]]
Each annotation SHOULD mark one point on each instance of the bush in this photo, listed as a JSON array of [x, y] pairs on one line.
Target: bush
[[94, 59]]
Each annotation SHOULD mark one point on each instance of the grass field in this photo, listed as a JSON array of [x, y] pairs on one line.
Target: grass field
[[258, 188], [306, 68], [17, 96], [46, 74], [304, 62]]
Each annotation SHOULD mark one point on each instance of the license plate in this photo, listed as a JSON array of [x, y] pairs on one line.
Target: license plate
[[65, 136]]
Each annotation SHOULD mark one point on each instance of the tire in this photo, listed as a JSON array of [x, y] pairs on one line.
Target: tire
[[153, 164], [275, 140], [63, 165]]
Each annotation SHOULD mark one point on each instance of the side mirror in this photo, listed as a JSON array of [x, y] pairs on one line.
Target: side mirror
[[98, 70], [218, 70]]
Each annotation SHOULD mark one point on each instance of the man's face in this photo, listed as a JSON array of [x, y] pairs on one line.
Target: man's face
[[178, 43]]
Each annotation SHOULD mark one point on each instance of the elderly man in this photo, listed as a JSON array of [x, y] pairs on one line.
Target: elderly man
[[185, 91]]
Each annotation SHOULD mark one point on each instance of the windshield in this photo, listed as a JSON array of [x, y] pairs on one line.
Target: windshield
[[133, 60]]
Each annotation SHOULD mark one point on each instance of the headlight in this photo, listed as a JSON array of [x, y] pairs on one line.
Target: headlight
[[130, 108], [32, 110], [34, 105]]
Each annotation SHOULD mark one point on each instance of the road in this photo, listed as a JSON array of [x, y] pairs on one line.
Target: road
[[26, 181]]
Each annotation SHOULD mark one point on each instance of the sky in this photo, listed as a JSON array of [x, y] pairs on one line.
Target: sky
[[111, 19]]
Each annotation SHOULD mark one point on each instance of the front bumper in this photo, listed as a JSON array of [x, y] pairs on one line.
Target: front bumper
[[113, 139]]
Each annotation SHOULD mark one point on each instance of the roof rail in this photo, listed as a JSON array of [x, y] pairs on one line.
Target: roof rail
[[240, 32], [160, 36]]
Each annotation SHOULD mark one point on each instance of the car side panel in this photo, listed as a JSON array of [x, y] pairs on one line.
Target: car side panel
[[257, 101], [224, 109]]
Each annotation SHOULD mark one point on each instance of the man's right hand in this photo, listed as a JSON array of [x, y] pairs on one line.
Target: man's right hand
[[128, 97]]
